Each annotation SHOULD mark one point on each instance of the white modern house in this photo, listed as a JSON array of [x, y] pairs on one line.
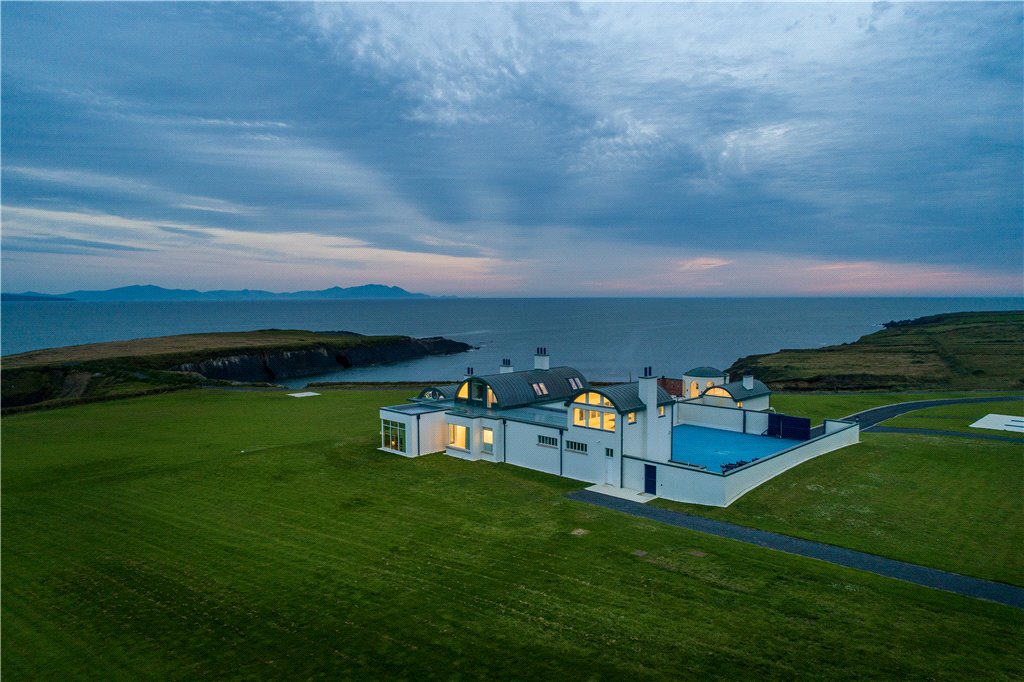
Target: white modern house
[[708, 447]]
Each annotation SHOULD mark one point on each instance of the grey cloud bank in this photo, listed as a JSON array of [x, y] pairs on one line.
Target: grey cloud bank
[[508, 149]]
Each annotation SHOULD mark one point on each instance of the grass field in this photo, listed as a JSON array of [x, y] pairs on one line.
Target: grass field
[[140, 541], [819, 406], [944, 502], [940, 352], [959, 417]]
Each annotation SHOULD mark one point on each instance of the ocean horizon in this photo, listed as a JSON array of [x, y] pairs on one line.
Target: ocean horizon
[[607, 339]]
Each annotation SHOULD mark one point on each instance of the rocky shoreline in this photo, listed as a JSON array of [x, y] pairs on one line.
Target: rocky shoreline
[[108, 371], [273, 365]]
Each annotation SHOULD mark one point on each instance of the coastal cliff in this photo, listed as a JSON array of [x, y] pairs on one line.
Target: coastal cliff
[[953, 351], [272, 365], [104, 371]]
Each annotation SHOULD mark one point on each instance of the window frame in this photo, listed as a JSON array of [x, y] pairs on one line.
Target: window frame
[[393, 431]]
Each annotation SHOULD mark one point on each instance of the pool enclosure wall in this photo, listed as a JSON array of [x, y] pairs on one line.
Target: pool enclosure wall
[[688, 484]]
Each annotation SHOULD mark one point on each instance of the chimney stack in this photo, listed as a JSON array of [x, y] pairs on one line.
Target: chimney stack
[[469, 372], [748, 380], [541, 359], [648, 390], [506, 366]]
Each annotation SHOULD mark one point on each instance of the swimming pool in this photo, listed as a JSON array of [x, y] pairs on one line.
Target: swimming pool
[[713, 448]]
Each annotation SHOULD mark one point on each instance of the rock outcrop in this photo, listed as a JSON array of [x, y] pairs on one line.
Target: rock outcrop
[[274, 364]]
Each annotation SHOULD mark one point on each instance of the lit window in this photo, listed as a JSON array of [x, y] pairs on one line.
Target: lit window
[[392, 435], [710, 384], [540, 389], [609, 421], [491, 400], [661, 410], [458, 436], [487, 436], [593, 419], [631, 417], [579, 416], [739, 404], [718, 392], [463, 391], [694, 389]]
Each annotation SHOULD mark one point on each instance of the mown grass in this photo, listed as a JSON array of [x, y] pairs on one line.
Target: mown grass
[[820, 406], [141, 542], [949, 503], [959, 417]]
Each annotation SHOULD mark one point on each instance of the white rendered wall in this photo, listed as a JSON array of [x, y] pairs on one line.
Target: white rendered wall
[[756, 422], [697, 414], [433, 434], [700, 487], [593, 466], [523, 450], [761, 402]]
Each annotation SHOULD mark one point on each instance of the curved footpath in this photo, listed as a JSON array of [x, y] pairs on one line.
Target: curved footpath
[[1002, 593], [869, 419]]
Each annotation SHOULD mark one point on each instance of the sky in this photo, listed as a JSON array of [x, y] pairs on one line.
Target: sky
[[515, 149]]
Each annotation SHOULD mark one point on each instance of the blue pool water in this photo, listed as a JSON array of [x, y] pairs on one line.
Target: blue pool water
[[712, 448]]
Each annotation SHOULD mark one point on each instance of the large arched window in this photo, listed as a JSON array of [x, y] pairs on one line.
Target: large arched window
[[603, 420], [718, 392]]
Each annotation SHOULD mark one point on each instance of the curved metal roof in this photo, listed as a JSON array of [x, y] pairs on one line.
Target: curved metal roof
[[704, 372], [738, 392], [625, 397], [515, 389], [447, 391]]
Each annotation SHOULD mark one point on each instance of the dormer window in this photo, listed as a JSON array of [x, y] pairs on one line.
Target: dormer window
[[575, 383], [540, 389]]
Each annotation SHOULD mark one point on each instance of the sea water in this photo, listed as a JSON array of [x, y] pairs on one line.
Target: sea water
[[607, 339]]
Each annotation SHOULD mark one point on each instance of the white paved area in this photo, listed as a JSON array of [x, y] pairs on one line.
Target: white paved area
[[622, 493], [304, 394], [1000, 422]]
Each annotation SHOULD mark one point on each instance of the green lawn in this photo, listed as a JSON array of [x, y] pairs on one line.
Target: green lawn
[[141, 542], [959, 417], [819, 406], [950, 503]]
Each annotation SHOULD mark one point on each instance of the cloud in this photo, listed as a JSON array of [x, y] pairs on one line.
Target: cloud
[[703, 263]]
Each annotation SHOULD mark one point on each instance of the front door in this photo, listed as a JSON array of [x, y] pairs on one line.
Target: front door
[[650, 479]]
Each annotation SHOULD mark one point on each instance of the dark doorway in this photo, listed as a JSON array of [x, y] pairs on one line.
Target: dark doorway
[[650, 479]]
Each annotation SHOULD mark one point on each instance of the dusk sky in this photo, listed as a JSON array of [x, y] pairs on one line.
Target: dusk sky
[[515, 149]]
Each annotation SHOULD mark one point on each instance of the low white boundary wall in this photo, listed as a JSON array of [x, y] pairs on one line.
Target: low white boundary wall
[[686, 484], [723, 418]]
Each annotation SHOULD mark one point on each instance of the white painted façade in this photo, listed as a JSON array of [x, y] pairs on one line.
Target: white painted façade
[[623, 435]]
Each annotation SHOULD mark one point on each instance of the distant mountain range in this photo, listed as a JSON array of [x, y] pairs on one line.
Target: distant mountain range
[[150, 292]]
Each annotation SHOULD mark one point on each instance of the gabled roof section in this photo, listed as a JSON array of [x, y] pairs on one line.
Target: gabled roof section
[[738, 392], [515, 389], [447, 391], [704, 372], [625, 397]]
